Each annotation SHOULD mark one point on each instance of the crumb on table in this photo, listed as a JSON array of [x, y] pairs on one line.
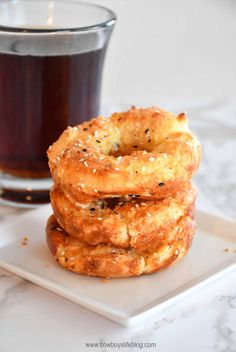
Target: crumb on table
[[24, 242]]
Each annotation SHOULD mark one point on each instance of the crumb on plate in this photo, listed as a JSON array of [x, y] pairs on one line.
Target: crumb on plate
[[106, 280]]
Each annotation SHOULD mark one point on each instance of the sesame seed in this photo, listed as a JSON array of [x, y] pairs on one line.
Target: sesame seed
[[136, 206], [143, 168], [85, 163], [149, 215], [28, 197], [96, 134], [85, 129], [147, 130], [143, 204], [176, 252], [94, 170], [81, 160], [88, 138], [117, 169], [99, 219], [81, 205], [95, 190], [152, 159], [81, 185]]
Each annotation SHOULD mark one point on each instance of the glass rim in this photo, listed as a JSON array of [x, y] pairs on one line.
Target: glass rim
[[22, 30]]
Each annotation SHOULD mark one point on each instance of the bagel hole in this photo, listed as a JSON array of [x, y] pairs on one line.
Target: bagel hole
[[129, 150]]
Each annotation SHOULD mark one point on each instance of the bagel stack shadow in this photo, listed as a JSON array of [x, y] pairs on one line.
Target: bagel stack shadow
[[123, 197]]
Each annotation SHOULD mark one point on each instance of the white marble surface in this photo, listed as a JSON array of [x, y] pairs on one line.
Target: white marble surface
[[32, 319]]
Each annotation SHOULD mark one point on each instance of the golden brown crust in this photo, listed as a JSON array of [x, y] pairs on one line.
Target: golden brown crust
[[149, 152], [105, 260], [127, 223]]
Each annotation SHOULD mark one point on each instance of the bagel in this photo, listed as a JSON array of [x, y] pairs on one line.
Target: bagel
[[127, 222], [107, 261], [147, 152]]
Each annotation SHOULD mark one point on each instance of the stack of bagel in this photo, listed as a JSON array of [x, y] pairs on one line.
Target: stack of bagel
[[122, 198]]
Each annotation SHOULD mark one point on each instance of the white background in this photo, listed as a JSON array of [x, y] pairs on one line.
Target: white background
[[171, 49]]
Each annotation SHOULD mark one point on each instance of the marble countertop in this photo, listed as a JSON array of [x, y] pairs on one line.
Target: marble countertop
[[33, 319]]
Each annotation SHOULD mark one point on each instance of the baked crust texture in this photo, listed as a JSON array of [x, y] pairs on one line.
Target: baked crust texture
[[147, 152], [133, 222], [105, 260]]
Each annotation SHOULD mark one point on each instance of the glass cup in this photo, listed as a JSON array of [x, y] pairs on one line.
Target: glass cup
[[51, 62]]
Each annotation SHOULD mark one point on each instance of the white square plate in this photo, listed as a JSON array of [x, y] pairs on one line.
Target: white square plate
[[126, 301]]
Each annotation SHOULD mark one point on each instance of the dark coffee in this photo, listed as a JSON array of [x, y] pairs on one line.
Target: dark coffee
[[39, 98]]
